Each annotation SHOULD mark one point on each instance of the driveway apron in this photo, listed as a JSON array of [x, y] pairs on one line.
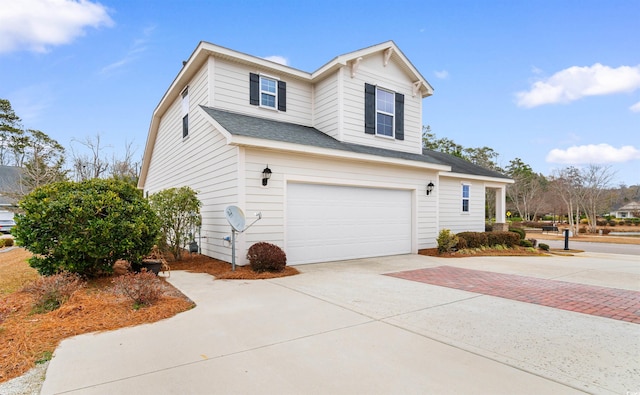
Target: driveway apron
[[345, 328]]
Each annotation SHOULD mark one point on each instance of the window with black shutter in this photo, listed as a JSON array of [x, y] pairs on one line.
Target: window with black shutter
[[267, 92], [383, 112]]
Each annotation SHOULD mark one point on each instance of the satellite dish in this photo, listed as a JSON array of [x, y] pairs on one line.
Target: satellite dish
[[235, 217]]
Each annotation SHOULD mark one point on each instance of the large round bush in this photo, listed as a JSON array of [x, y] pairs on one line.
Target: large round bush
[[85, 227]]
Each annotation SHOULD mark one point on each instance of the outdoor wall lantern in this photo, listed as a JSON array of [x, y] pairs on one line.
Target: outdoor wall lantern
[[430, 188], [266, 174]]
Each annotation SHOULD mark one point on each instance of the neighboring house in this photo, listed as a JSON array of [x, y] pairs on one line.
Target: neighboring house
[[342, 146], [630, 210], [9, 187]]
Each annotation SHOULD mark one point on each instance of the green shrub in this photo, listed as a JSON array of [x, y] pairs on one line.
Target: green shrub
[[8, 242], [446, 241], [606, 231], [519, 231], [474, 239], [526, 243], [533, 242], [622, 222], [2, 242], [508, 239], [179, 213], [612, 223], [544, 246], [266, 257], [85, 227], [51, 292], [143, 288]]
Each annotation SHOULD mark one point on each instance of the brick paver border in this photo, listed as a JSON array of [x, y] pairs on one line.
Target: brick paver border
[[617, 304]]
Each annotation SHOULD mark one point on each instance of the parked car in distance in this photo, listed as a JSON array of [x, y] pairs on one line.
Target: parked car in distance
[[6, 225]]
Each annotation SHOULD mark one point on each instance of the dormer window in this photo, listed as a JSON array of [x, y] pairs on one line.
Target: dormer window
[[383, 112], [268, 92]]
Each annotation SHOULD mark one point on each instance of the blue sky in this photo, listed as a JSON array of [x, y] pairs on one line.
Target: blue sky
[[554, 83]]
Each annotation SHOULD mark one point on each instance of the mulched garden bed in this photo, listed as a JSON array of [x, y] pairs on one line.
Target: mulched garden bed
[[27, 338]]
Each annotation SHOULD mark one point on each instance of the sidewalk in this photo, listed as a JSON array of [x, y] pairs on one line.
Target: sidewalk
[[343, 328]]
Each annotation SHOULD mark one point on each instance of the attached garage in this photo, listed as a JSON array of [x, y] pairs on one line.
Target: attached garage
[[329, 222]]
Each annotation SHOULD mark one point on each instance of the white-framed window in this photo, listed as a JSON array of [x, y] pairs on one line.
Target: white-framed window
[[185, 112], [385, 112], [268, 92], [465, 197]]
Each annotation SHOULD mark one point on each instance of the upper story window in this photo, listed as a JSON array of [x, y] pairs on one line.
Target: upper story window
[[465, 198], [267, 92], [185, 112], [383, 112]]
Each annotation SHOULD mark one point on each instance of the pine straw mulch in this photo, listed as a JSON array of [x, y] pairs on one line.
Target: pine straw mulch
[[26, 338], [517, 251], [196, 263]]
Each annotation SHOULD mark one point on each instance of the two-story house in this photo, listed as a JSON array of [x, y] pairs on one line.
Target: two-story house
[[332, 159]]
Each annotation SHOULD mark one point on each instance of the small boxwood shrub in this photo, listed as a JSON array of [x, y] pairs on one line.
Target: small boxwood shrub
[[474, 239], [8, 242], [526, 243], [519, 231], [447, 241], [266, 257], [544, 246], [533, 242]]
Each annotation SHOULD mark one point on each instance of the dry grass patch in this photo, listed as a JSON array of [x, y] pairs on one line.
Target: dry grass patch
[[14, 272]]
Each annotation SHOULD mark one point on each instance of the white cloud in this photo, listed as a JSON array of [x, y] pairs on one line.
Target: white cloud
[[593, 153], [278, 59], [35, 25], [443, 75], [577, 82], [635, 107]]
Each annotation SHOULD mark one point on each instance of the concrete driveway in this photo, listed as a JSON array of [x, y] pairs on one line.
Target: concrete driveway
[[346, 328]]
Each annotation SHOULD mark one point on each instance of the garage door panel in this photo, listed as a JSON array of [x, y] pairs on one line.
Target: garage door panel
[[327, 222]]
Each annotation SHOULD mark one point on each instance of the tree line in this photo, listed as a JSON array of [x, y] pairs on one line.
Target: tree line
[[40, 159], [569, 192]]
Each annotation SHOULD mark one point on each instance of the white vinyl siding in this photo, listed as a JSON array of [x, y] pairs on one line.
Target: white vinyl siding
[[391, 77], [305, 168], [450, 211], [326, 106], [232, 93], [203, 161]]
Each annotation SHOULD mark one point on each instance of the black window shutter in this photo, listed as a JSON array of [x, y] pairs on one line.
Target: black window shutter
[[282, 96], [254, 89], [369, 109], [399, 116]]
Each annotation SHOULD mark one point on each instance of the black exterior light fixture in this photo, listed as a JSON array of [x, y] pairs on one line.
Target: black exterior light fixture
[[430, 187], [266, 174]]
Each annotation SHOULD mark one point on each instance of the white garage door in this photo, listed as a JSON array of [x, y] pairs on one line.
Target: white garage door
[[328, 223]]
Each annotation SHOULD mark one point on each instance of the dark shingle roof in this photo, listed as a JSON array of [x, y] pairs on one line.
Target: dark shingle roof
[[245, 125]]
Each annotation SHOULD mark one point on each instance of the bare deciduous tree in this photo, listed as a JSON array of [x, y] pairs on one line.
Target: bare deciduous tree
[[91, 165]]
